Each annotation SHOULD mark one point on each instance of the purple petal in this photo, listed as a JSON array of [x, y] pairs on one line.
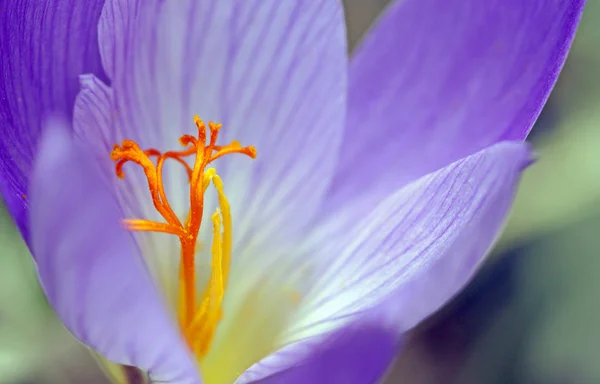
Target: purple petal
[[90, 267], [417, 248], [437, 80], [115, 29], [273, 72], [44, 46], [92, 122], [92, 118], [356, 354]]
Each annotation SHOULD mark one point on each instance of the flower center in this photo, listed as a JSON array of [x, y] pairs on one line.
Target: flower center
[[198, 319]]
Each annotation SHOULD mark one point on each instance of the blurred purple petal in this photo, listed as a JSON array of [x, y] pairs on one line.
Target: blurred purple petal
[[359, 353], [417, 248], [273, 72], [44, 46], [436, 80], [90, 267]]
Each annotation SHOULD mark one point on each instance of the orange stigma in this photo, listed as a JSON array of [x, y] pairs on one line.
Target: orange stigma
[[198, 318]]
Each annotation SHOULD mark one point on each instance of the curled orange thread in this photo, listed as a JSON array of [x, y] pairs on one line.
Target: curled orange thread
[[198, 318]]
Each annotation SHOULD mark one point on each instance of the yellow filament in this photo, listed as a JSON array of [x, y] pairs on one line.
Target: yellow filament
[[227, 231], [210, 312], [198, 319]]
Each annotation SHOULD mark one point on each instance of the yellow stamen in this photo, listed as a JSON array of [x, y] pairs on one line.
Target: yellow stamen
[[210, 310], [198, 319]]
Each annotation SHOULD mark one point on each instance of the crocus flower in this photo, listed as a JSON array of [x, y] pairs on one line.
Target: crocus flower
[[378, 184]]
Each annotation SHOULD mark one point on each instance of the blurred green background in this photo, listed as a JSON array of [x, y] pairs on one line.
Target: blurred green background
[[530, 316]]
